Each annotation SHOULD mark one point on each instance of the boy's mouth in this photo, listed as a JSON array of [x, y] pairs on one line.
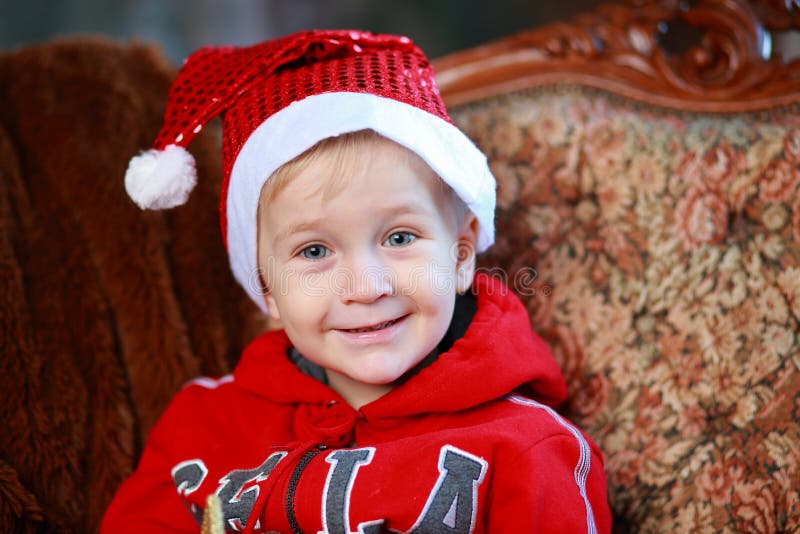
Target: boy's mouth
[[373, 328]]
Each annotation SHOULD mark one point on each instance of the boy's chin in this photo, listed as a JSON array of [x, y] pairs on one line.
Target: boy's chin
[[398, 376], [381, 377]]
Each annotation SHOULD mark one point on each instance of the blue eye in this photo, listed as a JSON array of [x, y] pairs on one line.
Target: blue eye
[[399, 239], [315, 252]]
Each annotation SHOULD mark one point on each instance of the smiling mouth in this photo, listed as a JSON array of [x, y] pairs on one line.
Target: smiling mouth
[[373, 328]]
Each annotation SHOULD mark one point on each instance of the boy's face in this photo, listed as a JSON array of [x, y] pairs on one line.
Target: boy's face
[[364, 282]]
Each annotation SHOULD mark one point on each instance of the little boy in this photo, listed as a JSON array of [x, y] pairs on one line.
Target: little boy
[[404, 393]]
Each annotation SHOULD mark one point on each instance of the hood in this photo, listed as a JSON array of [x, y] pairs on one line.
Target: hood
[[497, 355]]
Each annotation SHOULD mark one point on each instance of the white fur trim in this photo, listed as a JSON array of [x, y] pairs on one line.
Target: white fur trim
[[161, 179], [291, 131]]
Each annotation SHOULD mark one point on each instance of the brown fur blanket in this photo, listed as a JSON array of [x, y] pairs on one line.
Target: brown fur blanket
[[105, 310]]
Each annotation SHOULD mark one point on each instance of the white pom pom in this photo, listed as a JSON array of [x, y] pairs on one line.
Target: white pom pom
[[161, 179]]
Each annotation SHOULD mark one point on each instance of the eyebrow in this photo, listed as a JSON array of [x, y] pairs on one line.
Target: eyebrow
[[305, 226], [295, 229], [403, 209]]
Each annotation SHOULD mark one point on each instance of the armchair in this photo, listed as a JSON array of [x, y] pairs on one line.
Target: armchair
[[648, 159]]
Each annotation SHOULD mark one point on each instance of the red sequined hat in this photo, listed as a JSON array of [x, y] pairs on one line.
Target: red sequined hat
[[281, 97]]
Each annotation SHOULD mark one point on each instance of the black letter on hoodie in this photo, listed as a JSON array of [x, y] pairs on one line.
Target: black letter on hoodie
[[188, 476], [237, 502], [336, 503], [452, 505]]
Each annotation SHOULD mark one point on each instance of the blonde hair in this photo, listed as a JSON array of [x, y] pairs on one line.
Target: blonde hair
[[344, 154]]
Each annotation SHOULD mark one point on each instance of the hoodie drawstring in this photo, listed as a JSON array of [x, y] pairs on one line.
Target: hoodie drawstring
[[267, 486]]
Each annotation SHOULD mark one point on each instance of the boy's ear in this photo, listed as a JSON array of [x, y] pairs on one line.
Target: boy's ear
[[272, 306], [269, 300], [465, 262]]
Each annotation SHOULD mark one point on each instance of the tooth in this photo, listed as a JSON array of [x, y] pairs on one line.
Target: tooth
[[372, 328]]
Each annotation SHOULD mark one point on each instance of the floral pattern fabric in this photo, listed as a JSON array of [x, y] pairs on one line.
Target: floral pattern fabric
[[659, 252]]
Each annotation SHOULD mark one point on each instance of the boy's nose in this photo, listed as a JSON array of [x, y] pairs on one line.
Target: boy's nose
[[365, 281]]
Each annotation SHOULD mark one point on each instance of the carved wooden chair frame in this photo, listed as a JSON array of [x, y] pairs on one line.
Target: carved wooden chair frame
[[618, 47]]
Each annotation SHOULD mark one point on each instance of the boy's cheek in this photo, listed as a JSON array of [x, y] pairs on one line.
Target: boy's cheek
[[309, 284], [289, 280], [431, 276]]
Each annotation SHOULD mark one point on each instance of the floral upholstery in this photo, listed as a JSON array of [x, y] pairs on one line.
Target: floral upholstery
[[667, 279]]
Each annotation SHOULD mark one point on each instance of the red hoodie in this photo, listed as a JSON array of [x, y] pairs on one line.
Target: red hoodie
[[469, 444]]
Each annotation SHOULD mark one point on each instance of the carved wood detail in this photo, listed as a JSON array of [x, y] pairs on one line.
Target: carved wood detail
[[778, 14], [620, 48]]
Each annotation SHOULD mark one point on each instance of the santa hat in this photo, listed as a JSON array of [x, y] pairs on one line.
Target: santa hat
[[279, 98]]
